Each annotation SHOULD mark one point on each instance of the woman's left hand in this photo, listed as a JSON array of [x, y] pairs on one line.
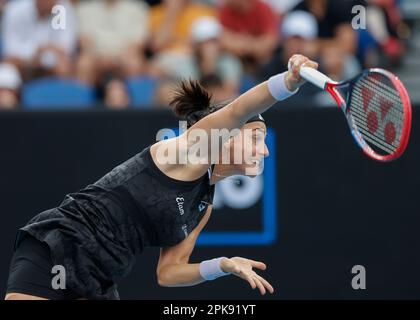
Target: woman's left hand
[[243, 268]]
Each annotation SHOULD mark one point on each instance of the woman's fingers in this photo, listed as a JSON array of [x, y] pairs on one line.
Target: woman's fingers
[[251, 281], [258, 264], [296, 62], [265, 283], [259, 285], [311, 64]]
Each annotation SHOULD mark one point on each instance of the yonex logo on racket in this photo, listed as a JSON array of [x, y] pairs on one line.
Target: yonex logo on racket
[[378, 123], [377, 107]]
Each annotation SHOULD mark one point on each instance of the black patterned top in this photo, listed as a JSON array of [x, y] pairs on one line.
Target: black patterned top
[[96, 232]]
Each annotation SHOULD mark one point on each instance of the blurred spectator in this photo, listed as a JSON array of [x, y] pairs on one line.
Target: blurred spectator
[[215, 86], [384, 20], [300, 35], [112, 38], [164, 92], [210, 61], [115, 94], [32, 43], [10, 83], [212, 3], [153, 2], [282, 7], [299, 32], [170, 25], [337, 41], [2, 5], [334, 23], [250, 30]]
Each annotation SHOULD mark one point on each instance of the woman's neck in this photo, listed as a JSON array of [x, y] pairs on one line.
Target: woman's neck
[[221, 172]]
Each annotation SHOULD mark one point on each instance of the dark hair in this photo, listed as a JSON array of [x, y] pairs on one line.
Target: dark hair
[[192, 102]]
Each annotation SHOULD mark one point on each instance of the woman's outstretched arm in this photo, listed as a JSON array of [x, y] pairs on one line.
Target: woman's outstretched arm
[[256, 100], [215, 129]]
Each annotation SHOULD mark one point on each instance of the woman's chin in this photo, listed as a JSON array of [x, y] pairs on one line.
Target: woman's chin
[[252, 172]]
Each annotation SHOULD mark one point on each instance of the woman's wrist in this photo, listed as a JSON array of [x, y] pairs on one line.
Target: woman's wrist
[[224, 263], [280, 86], [212, 269]]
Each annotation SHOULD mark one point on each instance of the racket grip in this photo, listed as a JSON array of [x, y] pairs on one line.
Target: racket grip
[[315, 77]]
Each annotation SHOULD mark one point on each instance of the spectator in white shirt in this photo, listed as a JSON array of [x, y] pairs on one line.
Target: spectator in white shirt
[[112, 38], [31, 40]]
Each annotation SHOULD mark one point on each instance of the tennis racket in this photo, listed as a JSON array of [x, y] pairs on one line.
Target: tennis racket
[[377, 107]]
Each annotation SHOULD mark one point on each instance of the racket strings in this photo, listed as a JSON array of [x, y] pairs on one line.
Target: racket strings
[[361, 119], [377, 112], [384, 94], [378, 143], [375, 138]]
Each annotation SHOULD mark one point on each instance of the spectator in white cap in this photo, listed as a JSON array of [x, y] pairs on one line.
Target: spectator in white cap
[[219, 72], [10, 83], [299, 31], [210, 61], [170, 35], [336, 39]]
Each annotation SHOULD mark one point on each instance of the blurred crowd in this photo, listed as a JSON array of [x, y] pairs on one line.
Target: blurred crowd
[[127, 53]]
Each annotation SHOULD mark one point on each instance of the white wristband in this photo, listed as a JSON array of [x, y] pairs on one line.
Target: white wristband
[[210, 269], [278, 89]]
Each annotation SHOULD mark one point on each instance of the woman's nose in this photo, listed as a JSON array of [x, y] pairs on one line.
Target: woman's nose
[[266, 152]]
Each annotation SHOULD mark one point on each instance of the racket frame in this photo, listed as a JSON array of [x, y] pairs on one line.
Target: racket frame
[[323, 82]]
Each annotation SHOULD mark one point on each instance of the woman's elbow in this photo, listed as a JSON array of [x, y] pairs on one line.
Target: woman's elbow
[[164, 280], [161, 279], [162, 283]]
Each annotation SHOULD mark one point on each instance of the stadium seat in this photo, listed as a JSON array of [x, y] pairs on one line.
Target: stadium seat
[[142, 91], [53, 93]]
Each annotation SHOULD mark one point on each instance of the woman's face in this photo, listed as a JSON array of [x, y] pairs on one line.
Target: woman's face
[[247, 151]]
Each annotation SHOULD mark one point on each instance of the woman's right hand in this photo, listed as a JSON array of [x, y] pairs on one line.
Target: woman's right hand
[[293, 80], [243, 268]]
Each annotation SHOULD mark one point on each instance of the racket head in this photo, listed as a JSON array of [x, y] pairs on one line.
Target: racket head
[[378, 110]]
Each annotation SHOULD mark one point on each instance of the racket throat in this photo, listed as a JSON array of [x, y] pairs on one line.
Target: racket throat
[[338, 93]]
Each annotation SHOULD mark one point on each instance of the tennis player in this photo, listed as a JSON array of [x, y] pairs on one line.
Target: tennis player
[[95, 234]]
